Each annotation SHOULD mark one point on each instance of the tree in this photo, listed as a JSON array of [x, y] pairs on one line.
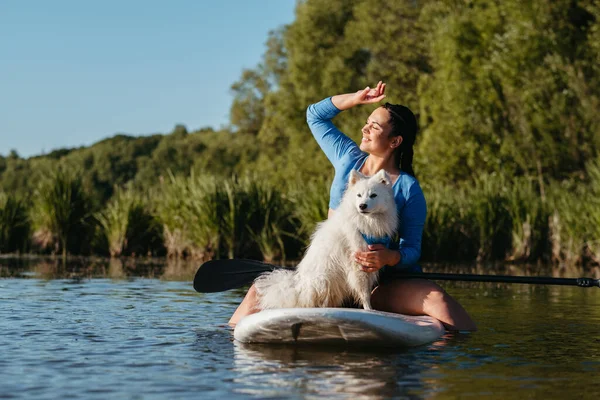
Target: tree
[[247, 110], [499, 97]]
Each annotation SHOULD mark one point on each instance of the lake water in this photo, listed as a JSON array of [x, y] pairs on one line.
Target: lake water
[[98, 330]]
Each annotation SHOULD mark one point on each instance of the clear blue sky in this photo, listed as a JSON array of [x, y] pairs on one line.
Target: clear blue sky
[[73, 72]]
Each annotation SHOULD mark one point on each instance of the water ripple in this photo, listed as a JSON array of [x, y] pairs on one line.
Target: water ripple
[[98, 338]]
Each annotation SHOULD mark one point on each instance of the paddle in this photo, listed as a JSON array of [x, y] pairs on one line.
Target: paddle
[[222, 275]]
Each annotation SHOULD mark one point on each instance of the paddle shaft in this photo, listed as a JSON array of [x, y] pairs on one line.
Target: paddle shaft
[[222, 275], [540, 280]]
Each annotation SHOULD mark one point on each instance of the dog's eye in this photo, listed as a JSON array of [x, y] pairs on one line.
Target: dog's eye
[[373, 195], [359, 195]]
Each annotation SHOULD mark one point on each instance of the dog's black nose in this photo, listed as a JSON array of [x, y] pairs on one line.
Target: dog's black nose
[[362, 206]]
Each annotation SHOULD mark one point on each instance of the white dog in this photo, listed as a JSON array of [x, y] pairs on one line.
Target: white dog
[[328, 273]]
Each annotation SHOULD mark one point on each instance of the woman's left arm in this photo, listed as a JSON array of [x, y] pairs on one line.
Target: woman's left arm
[[412, 221]]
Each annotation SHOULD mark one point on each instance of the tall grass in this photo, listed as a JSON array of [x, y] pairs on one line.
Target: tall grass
[[593, 212], [575, 220], [310, 205], [488, 207], [467, 223], [268, 217], [128, 225], [449, 234], [492, 218], [502, 219], [61, 212], [529, 214], [188, 210], [14, 224], [206, 217], [568, 223]]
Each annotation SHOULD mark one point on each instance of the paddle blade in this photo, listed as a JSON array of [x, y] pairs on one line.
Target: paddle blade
[[221, 275]]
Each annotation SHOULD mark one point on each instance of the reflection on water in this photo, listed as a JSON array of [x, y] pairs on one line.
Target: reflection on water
[[87, 268], [184, 270], [120, 329], [330, 371]]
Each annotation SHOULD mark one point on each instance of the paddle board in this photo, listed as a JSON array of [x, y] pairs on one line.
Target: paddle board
[[337, 325]]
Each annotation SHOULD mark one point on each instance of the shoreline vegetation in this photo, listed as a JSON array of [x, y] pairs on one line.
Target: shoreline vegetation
[[204, 217], [508, 152]]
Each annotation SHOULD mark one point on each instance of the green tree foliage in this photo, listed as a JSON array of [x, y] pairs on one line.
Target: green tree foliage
[[248, 111], [503, 89], [316, 67], [506, 90], [387, 42]]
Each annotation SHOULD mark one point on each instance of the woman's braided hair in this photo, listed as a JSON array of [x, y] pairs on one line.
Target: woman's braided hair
[[404, 124]]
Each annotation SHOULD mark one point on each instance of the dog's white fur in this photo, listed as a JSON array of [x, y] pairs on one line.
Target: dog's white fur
[[328, 273]]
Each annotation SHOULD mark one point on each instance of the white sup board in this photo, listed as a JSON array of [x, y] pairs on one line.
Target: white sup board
[[337, 325]]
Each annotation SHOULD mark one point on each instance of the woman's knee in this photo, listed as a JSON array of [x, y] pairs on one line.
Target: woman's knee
[[249, 305], [404, 296], [413, 296], [439, 304], [252, 298], [251, 291], [435, 298], [435, 294]]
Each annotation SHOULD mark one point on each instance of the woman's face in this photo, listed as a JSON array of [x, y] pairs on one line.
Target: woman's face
[[376, 138]]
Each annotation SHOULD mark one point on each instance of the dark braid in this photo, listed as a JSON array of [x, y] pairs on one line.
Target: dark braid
[[404, 124]]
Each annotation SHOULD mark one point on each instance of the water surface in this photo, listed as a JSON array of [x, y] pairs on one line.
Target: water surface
[[108, 330]]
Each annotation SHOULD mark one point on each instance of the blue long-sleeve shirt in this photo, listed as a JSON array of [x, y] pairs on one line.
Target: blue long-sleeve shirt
[[345, 155]]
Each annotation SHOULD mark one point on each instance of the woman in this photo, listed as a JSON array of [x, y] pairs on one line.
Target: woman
[[387, 143]]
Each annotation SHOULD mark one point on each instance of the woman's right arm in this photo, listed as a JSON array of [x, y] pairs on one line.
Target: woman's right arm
[[319, 115]]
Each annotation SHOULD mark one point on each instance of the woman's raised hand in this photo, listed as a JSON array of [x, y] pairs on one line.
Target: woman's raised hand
[[364, 96], [370, 96]]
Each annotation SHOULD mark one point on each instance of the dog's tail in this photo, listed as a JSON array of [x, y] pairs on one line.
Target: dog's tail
[[276, 289]]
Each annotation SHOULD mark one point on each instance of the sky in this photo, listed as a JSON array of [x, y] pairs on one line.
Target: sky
[[75, 72]]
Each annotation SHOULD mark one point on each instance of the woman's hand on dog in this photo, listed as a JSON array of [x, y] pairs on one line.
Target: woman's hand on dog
[[376, 257]]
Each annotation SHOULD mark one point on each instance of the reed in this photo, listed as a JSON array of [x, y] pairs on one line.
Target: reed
[[310, 205], [14, 224], [529, 215], [128, 225], [61, 212], [206, 217], [575, 220], [567, 223], [487, 205], [253, 218], [448, 235], [493, 218], [593, 241], [268, 218], [187, 208]]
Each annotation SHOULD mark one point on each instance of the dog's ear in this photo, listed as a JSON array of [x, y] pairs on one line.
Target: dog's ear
[[382, 177], [355, 176]]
